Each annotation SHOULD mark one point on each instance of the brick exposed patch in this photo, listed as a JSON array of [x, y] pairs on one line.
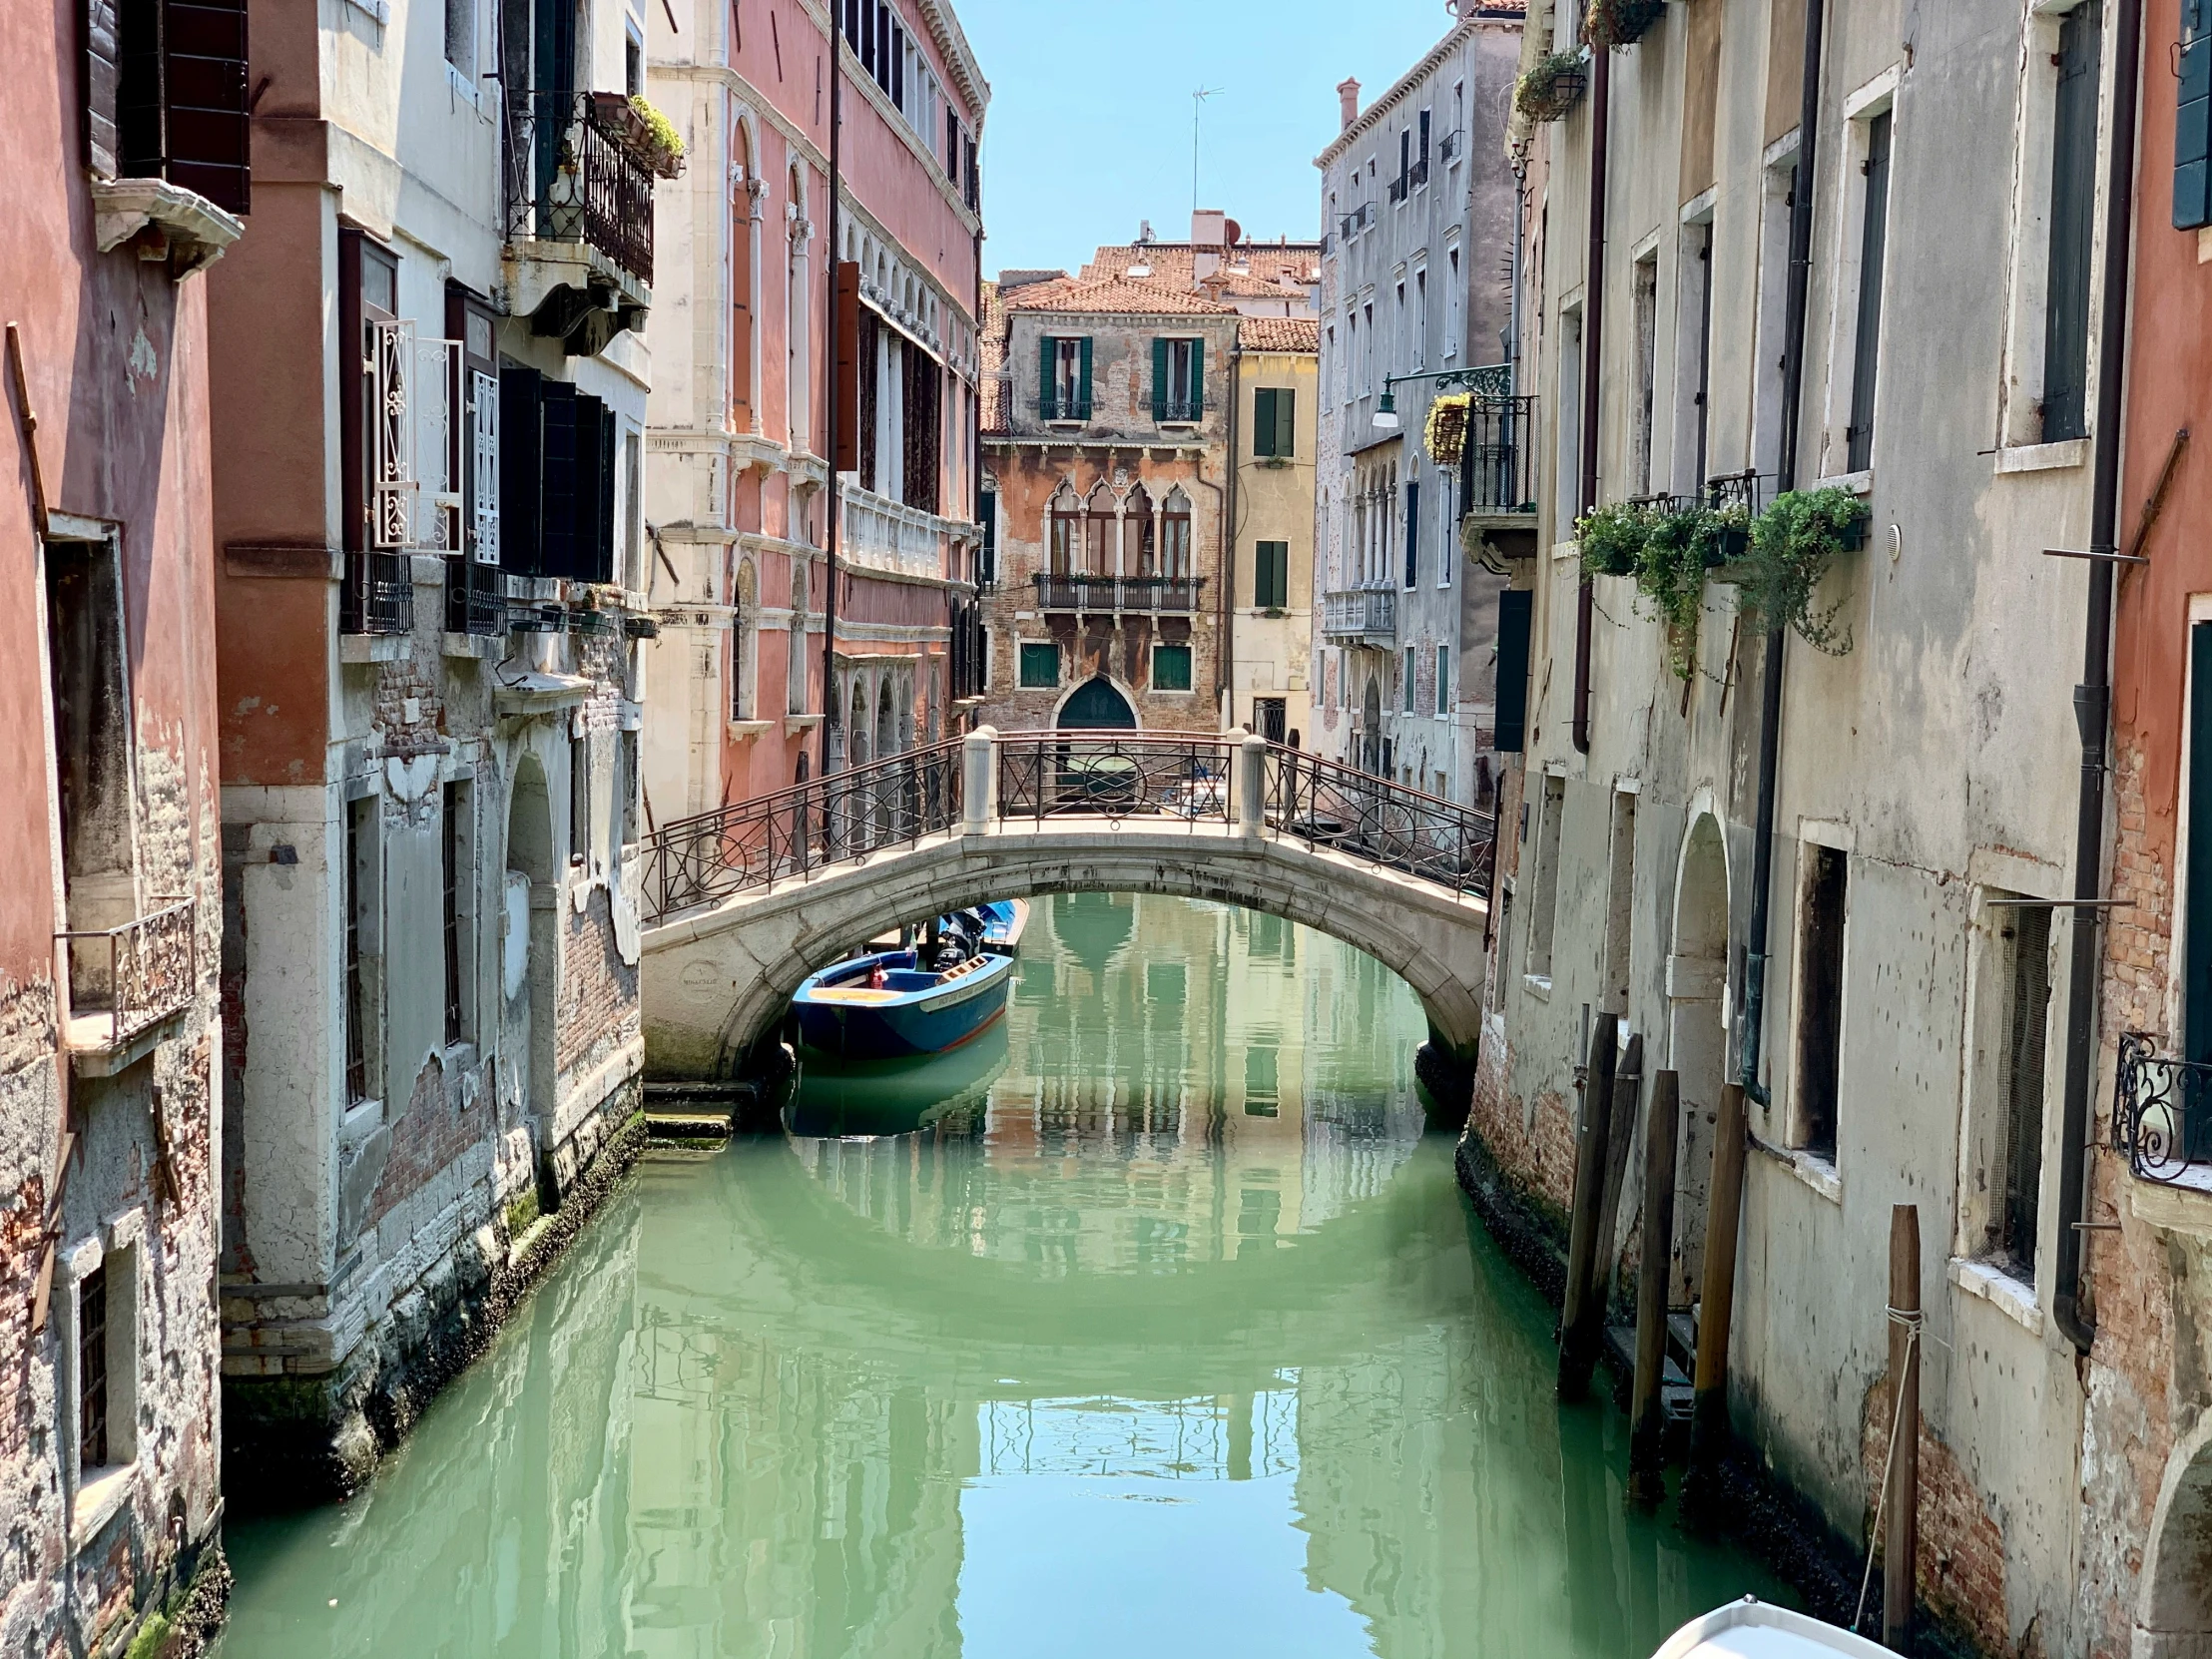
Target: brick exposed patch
[[1959, 1551]]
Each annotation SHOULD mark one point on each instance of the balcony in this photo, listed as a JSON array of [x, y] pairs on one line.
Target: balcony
[[1454, 146], [1180, 411], [1361, 616], [1120, 595], [1497, 472], [879, 533], [125, 982], [1069, 407], [1418, 175], [579, 216], [1397, 188], [378, 596]]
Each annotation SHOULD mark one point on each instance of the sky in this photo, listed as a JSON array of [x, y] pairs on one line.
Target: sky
[[1089, 128]]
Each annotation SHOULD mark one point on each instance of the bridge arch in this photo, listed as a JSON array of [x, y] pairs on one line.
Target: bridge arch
[[717, 981]]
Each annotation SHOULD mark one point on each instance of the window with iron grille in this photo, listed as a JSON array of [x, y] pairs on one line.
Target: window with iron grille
[[92, 1368], [2024, 961], [1064, 378], [165, 86]]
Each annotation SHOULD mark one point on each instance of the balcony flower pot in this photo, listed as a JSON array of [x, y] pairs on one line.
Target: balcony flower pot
[[1551, 85], [1611, 539], [1446, 433], [663, 145], [1610, 24], [1793, 544]]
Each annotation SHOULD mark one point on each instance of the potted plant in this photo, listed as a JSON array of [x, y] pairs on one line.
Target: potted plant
[[1724, 540], [1611, 538], [1793, 543], [663, 144], [1607, 24], [1551, 87], [1447, 427], [1670, 574]]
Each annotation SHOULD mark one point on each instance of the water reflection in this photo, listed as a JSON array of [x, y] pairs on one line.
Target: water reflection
[[1163, 1328]]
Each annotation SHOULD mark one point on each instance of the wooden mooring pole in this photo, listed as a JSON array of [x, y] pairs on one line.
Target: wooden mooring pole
[[1723, 1204], [1628, 1077], [1581, 1314], [1902, 1502], [1648, 1412]]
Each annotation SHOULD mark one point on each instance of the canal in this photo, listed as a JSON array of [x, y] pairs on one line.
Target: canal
[[1154, 1322]]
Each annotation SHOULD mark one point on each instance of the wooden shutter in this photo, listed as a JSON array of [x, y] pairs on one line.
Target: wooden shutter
[[1286, 421], [103, 85], [1412, 534], [210, 147], [557, 478], [2196, 993], [2193, 119], [591, 546], [1263, 421], [1511, 694], [1198, 378], [521, 525], [1874, 241], [845, 405], [1047, 347], [1083, 378], [2073, 193], [1159, 379]]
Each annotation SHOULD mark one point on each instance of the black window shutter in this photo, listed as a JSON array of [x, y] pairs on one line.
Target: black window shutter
[[898, 66], [204, 52], [1047, 349], [1513, 612], [1422, 154], [604, 564], [1874, 242], [2193, 119], [558, 481], [1083, 377], [521, 527], [2074, 191], [1412, 534], [593, 476]]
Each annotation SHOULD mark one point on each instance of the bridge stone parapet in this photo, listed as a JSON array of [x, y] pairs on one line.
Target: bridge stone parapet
[[718, 978]]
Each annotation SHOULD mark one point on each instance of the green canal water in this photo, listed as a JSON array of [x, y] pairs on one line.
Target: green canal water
[[1154, 1323]]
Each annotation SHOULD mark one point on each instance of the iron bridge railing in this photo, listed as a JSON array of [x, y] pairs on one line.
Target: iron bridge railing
[[1197, 778], [2161, 1111]]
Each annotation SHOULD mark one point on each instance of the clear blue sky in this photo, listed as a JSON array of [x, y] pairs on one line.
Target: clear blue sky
[[1089, 128]]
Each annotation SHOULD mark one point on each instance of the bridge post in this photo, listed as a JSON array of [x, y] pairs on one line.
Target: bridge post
[[1252, 786], [978, 780]]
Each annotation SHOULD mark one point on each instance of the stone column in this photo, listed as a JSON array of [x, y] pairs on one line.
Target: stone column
[[1252, 786], [978, 780]]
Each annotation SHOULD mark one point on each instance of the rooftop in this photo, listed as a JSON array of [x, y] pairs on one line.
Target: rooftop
[[1112, 295], [1280, 333]]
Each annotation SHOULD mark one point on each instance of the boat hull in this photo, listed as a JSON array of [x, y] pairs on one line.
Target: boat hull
[[861, 1024]]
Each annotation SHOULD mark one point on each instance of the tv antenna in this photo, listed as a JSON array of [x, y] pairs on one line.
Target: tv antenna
[[1198, 102]]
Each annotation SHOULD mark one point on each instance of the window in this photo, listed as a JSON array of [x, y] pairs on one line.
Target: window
[[1270, 575], [1693, 327], [1453, 288], [1064, 529], [454, 909], [633, 510], [1175, 535], [1511, 725], [1178, 380], [2019, 964], [92, 1369], [1644, 295], [1420, 318], [1400, 333], [1443, 683], [1064, 392], [1569, 467], [2073, 193], [579, 801], [1366, 349], [626, 783], [1867, 339], [363, 870], [1544, 905], [796, 677], [1405, 682], [1777, 202], [1271, 718], [1445, 538], [92, 737], [633, 61], [2193, 119], [460, 36], [1413, 533], [1040, 663], [1273, 422], [1347, 375], [1820, 1003], [1171, 667], [165, 95]]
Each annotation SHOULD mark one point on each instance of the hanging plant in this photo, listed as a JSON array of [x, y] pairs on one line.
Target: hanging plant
[[1611, 538], [663, 145], [1607, 24], [1792, 545], [1447, 436], [1551, 87], [1725, 537]]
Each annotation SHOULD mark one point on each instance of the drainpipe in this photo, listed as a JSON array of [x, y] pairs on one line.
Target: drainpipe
[[2094, 696], [1224, 680], [1769, 699], [830, 413], [1594, 344]]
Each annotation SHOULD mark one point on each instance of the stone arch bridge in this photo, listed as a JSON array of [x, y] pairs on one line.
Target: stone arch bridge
[[742, 903]]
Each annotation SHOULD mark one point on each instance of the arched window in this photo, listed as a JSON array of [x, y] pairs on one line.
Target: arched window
[[1140, 537], [795, 648], [1063, 529], [1175, 535], [744, 252], [796, 353], [744, 628], [1098, 532]]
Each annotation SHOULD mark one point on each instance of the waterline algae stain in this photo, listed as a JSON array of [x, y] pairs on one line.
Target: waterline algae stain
[[1159, 1327]]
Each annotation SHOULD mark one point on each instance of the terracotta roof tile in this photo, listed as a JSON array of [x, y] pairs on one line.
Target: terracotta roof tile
[[1172, 261], [1112, 295], [1280, 333], [990, 359]]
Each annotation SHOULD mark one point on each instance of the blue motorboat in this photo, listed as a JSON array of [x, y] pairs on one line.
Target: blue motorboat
[[924, 995]]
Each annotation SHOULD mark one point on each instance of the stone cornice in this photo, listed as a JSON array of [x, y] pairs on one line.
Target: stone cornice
[[1373, 114]]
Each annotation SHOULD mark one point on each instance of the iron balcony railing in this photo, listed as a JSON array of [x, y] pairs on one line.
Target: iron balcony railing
[[1398, 187], [574, 174], [1497, 460], [378, 596], [1362, 613], [1198, 780], [2161, 1110], [1097, 595], [1064, 408], [1183, 410], [1328, 803], [475, 598], [136, 975], [1113, 775], [1418, 175], [1448, 150], [843, 817]]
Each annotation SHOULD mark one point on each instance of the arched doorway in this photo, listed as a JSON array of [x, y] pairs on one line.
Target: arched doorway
[[1096, 704], [1697, 1036], [1370, 727], [529, 958]]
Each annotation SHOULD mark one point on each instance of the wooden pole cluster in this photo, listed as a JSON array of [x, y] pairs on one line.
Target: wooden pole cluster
[[1647, 1406], [1716, 1309], [1582, 1314]]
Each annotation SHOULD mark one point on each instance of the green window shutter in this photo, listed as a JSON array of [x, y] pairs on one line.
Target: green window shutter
[[1045, 349], [1270, 575], [1198, 378], [1159, 379], [1285, 422], [1263, 421], [2193, 119], [1511, 694], [1083, 388]]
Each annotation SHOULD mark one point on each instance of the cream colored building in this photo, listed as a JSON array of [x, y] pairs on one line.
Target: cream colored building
[[1271, 606]]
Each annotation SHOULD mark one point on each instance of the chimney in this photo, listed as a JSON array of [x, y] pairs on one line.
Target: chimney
[[1348, 103], [1209, 232]]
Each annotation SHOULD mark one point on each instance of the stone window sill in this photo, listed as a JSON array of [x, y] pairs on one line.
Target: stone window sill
[[2043, 458], [1537, 987], [2000, 1290], [749, 728], [1816, 1171], [1859, 484], [100, 1494], [1566, 550], [375, 648]]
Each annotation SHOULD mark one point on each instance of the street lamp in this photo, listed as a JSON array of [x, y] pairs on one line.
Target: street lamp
[[1386, 412]]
